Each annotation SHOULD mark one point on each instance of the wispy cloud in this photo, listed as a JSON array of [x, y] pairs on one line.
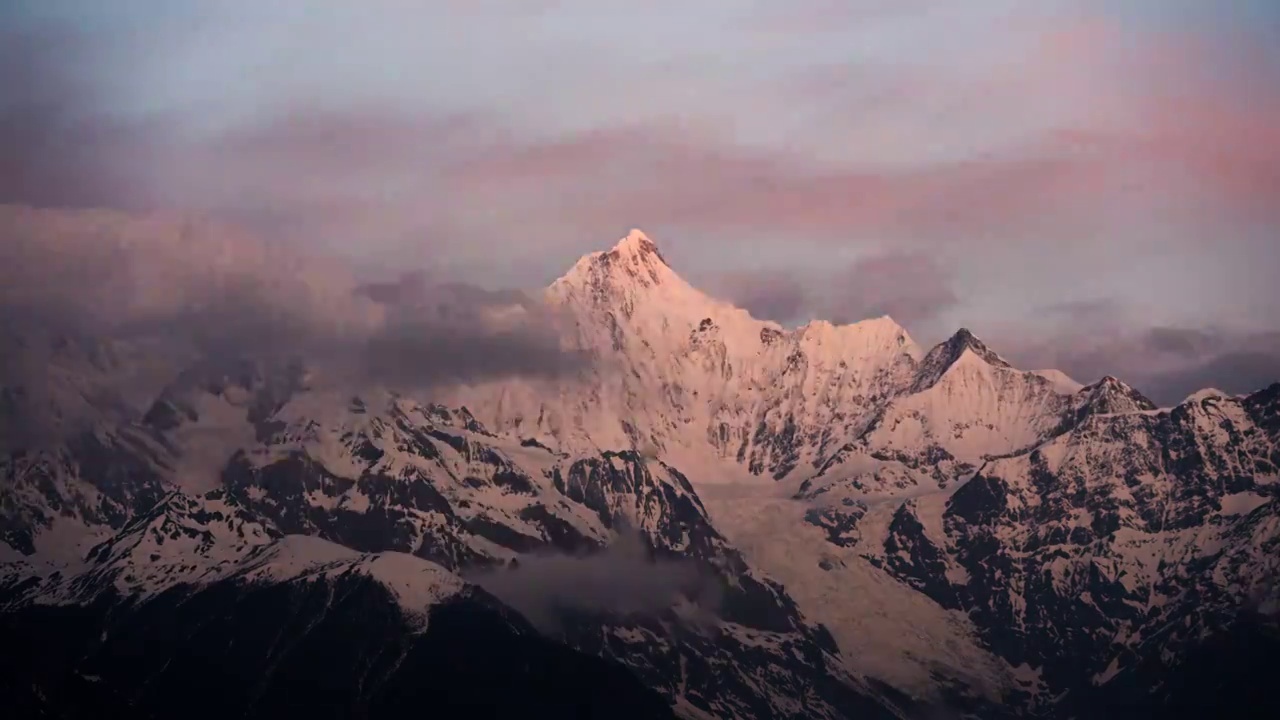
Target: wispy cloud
[[620, 579]]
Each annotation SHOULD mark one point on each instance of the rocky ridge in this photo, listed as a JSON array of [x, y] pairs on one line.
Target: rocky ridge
[[1048, 547]]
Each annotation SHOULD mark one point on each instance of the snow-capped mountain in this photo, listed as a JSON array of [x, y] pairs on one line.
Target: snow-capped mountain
[[679, 371], [830, 520], [387, 474]]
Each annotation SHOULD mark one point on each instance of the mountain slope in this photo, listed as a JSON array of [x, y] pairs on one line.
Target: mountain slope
[[388, 474], [677, 370], [755, 522], [865, 425], [1130, 538]]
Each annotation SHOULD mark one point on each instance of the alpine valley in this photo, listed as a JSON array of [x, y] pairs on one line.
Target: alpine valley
[[705, 516]]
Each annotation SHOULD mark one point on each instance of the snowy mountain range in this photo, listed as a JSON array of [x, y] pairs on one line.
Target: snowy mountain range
[[703, 514]]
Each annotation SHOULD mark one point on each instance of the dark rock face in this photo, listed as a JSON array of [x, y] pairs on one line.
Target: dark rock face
[[1113, 559], [1230, 673], [840, 523], [760, 632], [421, 507], [942, 357], [339, 649], [114, 475], [391, 522]]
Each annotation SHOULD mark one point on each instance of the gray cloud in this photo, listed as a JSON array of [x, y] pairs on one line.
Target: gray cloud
[[620, 579], [909, 286], [770, 295], [347, 179], [1182, 342], [1093, 311], [1096, 338], [58, 148], [440, 334], [1235, 370], [76, 283]]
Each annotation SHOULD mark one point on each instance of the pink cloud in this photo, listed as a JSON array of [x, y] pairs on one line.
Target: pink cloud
[[1150, 132], [1125, 129]]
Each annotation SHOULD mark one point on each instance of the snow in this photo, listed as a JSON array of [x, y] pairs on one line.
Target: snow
[[973, 410], [1205, 394], [1061, 382], [884, 629], [677, 366], [1242, 503], [416, 583], [294, 556]]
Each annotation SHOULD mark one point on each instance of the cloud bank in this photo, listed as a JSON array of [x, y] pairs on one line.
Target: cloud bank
[[1165, 363], [75, 284]]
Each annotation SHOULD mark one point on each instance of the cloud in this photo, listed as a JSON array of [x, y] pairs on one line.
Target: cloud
[[1181, 342], [210, 289], [621, 579], [338, 178], [1234, 370], [466, 334], [1100, 337], [911, 287], [58, 147], [393, 171], [1067, 149], [770, 295], [1134, 125]]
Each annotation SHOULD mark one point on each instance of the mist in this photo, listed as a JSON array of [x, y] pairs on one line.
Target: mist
[[620, 579], [82, 292]]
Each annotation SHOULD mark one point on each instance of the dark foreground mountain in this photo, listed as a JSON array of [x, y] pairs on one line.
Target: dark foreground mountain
[[325, 648]]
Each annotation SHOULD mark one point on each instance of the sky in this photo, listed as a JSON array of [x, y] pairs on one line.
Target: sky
[[1086, 184]]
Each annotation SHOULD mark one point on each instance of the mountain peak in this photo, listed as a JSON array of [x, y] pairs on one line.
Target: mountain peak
[[947, 353], [634, 261], [637, 245], [964, 339], [1113, 396]]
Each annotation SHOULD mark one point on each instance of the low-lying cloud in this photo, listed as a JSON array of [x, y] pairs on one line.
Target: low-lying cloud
[[911, 287], [73, 280], [1088, 340], [621, 579]]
